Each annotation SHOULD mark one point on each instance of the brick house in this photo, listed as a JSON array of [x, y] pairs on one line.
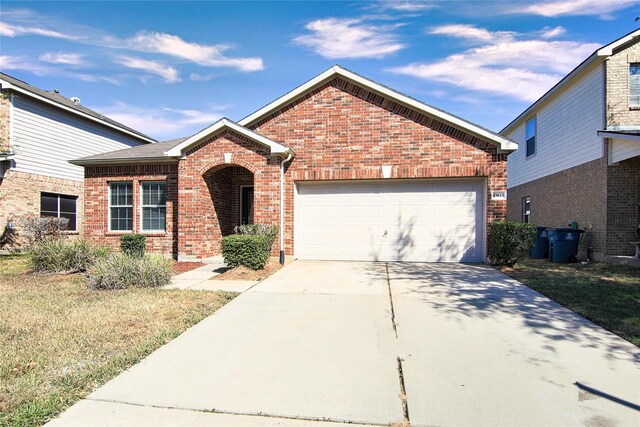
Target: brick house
[[40, 131], [348, 168], [579, 152]]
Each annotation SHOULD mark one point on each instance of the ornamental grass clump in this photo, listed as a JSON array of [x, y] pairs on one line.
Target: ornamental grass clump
[[54, 255], [121, 271]]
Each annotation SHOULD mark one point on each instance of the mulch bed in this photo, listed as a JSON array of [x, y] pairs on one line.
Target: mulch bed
[[244, 273], [183, 267]]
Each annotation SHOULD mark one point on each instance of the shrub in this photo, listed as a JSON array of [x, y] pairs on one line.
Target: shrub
[[120, 271], [57, 255], [271, 231], [38, 229], [509, 241], [250, 250], [133, 244]]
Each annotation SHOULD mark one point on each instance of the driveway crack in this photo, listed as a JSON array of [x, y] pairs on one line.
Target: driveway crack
[[393, 312]]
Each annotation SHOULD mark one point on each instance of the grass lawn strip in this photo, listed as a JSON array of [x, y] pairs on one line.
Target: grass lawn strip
[[59, 341], [608, 295]]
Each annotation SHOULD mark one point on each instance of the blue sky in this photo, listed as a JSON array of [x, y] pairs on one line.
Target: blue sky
[[171, 68]]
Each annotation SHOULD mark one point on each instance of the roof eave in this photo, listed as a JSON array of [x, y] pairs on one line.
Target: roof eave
[[8, 86], [128, 161]]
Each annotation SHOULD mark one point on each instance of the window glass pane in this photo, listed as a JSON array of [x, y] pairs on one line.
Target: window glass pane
[[48, 202], [634, 84], [121, 194], [121, 219], [72, 220], [531, 146], [49, 213], [68, 204], [153, 193], [153, 218], [530, 128]]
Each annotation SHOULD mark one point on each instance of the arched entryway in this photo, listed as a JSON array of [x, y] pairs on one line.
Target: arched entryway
[[231, 191]]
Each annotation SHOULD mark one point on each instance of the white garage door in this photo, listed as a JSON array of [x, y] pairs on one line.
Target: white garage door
[[429, 221]]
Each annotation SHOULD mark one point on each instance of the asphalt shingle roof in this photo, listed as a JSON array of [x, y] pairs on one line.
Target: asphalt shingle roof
[[153, 151]]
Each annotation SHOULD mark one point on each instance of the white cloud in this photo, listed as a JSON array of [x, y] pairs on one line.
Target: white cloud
[[11, 30], [408, 6], [555, 8], [205, 55], [471, 33], [168, 73], [550, 33], [23, 63], [201, 77], [163, 123], [336, 38], [66, 58], [521, 69]]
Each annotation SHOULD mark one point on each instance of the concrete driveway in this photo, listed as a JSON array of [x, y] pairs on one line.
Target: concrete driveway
[[376, 343]]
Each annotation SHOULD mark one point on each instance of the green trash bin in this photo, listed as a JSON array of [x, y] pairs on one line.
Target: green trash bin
[[563, 244], [541, 247]]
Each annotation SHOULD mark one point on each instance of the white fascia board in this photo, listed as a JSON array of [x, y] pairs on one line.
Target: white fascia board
[[619, 135], [505, 144], [608, 49], [7, 85], [274, 147]]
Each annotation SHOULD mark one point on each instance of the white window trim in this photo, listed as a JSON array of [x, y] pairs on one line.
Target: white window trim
[[633, 105], [142, 206], [524, 212], [123, 206], [535, 135]]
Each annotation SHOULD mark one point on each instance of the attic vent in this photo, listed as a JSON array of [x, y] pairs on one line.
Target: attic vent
[[75, 100]]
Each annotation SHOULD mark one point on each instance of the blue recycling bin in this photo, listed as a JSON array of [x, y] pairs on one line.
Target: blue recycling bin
[[563, 244], [541, 247]]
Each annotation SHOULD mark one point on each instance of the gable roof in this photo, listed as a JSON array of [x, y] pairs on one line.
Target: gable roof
[[11, 83], [336, 71], [600, 55], [222, 124], [140, 154]]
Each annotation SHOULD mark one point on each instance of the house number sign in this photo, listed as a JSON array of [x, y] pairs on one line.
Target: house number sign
[[499, 195]]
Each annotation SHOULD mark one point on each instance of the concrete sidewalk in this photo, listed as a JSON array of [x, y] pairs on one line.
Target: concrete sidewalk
[[201, 279], [337, 341]]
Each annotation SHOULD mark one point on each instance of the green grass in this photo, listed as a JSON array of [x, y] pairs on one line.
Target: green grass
[[608, 295], [59, 341]]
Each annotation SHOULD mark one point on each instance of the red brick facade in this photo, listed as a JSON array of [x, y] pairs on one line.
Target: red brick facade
[[339, 131]]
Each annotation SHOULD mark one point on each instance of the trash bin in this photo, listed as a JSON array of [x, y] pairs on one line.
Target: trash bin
[[541, 247], [563, 244]]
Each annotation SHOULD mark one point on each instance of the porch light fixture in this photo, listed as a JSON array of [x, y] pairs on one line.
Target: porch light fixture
[[386, 171], [227, 157]]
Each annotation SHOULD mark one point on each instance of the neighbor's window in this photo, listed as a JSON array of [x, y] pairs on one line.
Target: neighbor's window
[[634, 85], [154, 206], [121, 206], [59, 206], [526, 209], [530, 135]]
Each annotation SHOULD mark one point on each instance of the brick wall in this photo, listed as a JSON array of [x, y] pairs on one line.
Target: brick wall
[[617, 71], [341, 131], [97, 179], [575, 194], [20, 198], [623, 206], [5, 105]]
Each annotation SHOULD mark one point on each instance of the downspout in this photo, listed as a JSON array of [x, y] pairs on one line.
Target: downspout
[[287, 159]]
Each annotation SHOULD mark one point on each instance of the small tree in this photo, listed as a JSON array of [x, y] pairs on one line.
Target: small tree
[[509, 241], [39, 229]]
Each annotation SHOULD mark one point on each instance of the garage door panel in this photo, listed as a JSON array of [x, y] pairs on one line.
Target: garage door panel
[[402, 220]]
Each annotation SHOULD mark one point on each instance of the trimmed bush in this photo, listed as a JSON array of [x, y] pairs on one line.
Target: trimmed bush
[[271, 231], [56, 255], [510, 241], [121, 271], [250, 250], [133, 244]]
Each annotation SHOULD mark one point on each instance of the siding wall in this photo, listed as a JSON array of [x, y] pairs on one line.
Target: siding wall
[[45, 139], [622, 149], [566, 134]]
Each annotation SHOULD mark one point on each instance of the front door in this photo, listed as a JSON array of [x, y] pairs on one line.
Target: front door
[[246, 205]]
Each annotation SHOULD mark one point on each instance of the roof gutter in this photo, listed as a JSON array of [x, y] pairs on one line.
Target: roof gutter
[[8, 86]]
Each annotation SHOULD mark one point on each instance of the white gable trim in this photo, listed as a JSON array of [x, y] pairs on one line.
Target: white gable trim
[[504, 143], [7, 85], [224, 123]]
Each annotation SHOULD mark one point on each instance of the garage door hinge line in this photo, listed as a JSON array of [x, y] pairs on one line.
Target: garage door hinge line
[[393, 313]]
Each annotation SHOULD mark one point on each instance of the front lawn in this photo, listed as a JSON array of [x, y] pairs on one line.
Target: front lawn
[[59, 341], [608, 295]]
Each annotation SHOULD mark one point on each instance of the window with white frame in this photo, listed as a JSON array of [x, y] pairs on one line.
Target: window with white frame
[[121, 206], [634, 85], [530, 136], [526, 209], [59, 206], [154, 206]]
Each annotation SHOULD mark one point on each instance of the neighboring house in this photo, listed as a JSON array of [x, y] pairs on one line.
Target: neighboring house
[[367, 174], [40, 132], [579, 152]]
